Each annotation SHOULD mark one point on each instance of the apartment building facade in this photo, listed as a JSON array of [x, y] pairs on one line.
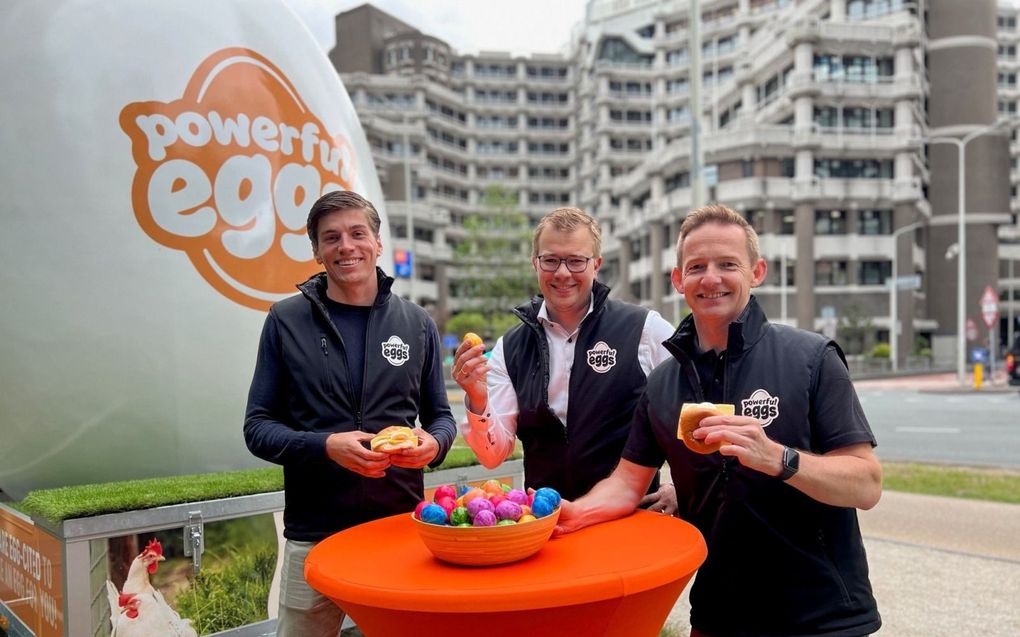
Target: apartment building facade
[[814, 117]]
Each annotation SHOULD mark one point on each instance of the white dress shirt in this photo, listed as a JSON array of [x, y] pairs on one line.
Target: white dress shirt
[[492, 435]]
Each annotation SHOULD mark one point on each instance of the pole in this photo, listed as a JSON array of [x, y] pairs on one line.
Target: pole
[[697, 182], [961, 266], [1009, 307], [408, 199], [782, 284], [894, 296]]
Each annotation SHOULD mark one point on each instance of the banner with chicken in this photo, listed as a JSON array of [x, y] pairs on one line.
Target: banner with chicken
[[140, 610]]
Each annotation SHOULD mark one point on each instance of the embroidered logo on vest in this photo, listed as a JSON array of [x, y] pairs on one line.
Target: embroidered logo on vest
[[601, 358], [396, 351], [761, 405]]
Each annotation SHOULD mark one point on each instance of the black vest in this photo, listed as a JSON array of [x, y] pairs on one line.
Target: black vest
[[797, 565], [606, 381]]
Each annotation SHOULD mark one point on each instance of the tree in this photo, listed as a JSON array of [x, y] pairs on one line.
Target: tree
[[494, 261], [855, 329]]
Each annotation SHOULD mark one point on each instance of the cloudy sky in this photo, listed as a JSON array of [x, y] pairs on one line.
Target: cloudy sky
[[518, 26]]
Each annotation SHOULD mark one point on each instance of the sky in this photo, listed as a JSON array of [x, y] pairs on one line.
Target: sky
[[521, 27]]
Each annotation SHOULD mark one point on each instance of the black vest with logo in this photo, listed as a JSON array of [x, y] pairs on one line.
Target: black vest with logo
[[797, 565], [606, 381]]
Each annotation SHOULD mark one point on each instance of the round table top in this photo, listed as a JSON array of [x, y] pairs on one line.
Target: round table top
[[385, 564]]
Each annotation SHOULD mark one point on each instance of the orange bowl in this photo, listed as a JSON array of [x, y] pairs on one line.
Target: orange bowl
[[486, 545]]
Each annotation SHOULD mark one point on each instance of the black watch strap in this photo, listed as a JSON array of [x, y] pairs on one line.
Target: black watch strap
[[791, 463]]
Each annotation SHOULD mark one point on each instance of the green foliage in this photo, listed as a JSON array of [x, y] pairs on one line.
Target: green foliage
[[494, 261], [997, 485], [112, 497], [922, 346], [466, 322], [233, 594], [854, 330], [881, 350]]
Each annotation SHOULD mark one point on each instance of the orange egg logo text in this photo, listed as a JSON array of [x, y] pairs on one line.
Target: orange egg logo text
[[227, 174]]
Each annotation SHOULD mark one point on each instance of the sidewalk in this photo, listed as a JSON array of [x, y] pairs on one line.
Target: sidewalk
[[940, 383], [940, 567]]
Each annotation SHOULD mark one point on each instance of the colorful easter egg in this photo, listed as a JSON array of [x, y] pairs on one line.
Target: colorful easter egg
[[484, 518]]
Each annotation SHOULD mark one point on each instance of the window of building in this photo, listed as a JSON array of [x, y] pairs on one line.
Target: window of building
[[875, 222], [679, 86], [617, 50], [677, 180], [830, 222], [830, 272], [873, 272], [647, 31], [676, 56], [786, 221], [854, 168]]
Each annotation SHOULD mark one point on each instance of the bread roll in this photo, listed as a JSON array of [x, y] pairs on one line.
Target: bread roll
[[691, 415], [394, 438]]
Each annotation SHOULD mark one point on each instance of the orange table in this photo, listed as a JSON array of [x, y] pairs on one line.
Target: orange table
[[620, 578]]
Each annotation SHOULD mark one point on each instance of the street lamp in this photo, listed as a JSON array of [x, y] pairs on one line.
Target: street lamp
[[961, 266], [408, 198], [894, 337]]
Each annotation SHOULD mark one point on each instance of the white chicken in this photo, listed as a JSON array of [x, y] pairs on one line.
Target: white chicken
[[139, 610]]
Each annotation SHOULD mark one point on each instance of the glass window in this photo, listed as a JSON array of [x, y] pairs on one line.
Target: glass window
[[830, 273], [830, 222], [873, 272], [875, 222]]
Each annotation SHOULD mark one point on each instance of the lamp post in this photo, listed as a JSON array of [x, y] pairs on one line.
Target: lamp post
[[961, 266], [408, 198], [894, 327]]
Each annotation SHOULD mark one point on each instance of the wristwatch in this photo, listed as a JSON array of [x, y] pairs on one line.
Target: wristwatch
[[791, 463]]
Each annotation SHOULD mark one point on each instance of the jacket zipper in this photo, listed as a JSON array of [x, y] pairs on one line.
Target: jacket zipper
[[350, 383]]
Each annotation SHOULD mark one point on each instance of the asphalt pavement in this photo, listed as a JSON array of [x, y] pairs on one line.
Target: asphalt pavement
[[940, 567]]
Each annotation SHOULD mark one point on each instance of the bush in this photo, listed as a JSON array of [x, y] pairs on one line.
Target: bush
[[236, 594], [881, 350]]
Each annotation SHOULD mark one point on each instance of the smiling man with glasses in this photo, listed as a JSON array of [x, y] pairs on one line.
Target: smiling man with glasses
[[567, 379]]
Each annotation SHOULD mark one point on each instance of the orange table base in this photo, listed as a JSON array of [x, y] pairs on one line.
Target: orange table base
[[620, 578]]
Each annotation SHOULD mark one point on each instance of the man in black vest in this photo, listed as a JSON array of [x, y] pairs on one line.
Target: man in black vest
[[336, 364], [778, 503], [566, 380]]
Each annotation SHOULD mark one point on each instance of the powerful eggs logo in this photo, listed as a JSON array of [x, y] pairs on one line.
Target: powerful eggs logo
[[227, 174]]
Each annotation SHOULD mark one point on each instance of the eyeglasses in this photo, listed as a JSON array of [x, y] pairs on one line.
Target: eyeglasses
[[550, 263]]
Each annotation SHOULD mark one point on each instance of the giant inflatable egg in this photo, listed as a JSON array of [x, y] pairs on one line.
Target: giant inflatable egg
[[159, 162]]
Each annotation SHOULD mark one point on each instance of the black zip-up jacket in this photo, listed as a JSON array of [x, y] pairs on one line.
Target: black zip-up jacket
[[793, 565], [301, 393], [606, 381]]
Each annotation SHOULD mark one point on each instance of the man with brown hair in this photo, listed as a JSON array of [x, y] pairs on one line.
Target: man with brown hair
[[336, 364], [566, 380], [777, 504]]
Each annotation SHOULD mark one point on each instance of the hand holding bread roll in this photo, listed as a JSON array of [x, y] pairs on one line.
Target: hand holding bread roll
[[691, 415], [393, 439]]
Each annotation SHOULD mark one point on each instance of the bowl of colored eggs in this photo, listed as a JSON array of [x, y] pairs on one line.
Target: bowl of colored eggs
[[491, 524]]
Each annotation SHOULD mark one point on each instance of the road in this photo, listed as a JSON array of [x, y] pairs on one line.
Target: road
[[915, 419], [966, 429]]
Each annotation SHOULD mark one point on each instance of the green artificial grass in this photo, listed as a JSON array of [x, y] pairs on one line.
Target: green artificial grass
[[65, 503], [94, 499]]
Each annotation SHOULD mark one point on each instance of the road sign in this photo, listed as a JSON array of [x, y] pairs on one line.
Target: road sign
[[990, 307], [450, 341], [908, 282], [972, 333], [402, 260]]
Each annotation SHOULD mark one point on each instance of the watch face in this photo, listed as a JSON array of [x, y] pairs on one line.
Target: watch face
[[791, 463]]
